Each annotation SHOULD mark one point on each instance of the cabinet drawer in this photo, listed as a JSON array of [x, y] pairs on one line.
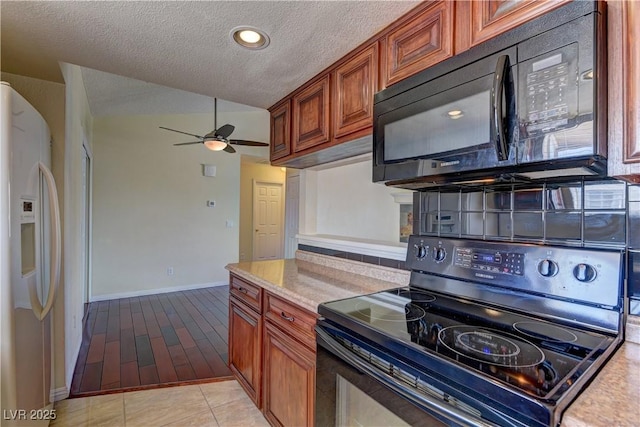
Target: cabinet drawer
[[246, 292], [292, 319]]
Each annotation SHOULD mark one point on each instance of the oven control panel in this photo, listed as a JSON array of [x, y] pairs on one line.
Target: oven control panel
[[490, 261], [577, 274]]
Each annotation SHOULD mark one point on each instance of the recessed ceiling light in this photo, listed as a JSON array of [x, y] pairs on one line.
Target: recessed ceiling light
[[250, 37]]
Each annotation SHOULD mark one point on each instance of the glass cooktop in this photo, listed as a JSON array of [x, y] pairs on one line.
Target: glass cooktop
[[532, 355]]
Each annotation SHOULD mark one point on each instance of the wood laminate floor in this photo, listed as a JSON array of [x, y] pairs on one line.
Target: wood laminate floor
[[153, 341]]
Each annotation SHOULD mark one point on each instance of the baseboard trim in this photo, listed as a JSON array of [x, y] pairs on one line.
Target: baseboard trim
[[156, 291], [58, 394]]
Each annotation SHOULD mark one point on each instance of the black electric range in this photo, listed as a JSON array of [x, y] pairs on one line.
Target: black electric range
[[493, 333]]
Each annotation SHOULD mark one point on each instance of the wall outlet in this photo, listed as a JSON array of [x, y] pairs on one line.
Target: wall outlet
[[211, 203], [169, 271]]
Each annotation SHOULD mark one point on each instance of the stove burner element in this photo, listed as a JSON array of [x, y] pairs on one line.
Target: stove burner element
[[545, 332], [389, 313], [416, 296], [490, 346], [487, 344]]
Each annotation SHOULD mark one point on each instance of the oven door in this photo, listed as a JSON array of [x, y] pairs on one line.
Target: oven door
[[356, 386]]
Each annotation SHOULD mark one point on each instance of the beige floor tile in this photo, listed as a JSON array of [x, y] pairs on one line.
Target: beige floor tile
[[219, 404], [202, 419], [223, 392], [106, 410], [71, 405], [239, 413], [79, 418], [163, 406], [72, 413]]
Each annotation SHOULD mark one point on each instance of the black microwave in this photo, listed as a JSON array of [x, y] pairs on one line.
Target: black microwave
[[527, 105]]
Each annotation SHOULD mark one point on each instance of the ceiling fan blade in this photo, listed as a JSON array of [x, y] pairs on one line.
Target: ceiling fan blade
[[249, 143], [224, 131], [229, 149], [179, 131], [189, 143]]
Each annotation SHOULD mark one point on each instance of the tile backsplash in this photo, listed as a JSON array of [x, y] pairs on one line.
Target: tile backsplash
[[590, 214]]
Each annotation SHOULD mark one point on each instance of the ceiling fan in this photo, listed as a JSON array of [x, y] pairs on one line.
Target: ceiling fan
[[218, 138]]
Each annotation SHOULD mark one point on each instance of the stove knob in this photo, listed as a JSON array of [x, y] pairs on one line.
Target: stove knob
[[439, 254], [421, 251], [584, 272], [547, 268]]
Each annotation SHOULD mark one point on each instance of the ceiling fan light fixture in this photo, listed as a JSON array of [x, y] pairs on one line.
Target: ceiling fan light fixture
[[250, 37], [215, 144]]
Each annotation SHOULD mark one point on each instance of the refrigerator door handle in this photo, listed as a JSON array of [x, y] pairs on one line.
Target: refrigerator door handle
[[54, 276]]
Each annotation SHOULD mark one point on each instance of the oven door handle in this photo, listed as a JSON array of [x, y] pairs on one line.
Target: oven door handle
[[448, 412]]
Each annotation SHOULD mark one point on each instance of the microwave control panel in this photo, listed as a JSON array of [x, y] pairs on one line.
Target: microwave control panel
[[549, 89]]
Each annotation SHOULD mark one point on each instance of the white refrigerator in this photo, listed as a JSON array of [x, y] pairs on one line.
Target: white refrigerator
[[29, 262]]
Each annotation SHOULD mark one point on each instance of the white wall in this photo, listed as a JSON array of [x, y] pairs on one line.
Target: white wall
[[343, 201], [78, 123], [149, 203]]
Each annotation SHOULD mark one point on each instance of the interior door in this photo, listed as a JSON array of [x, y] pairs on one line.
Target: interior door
[[268, 239]]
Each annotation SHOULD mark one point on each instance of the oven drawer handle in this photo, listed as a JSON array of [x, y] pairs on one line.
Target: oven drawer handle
[[285, 317], [448, 412]]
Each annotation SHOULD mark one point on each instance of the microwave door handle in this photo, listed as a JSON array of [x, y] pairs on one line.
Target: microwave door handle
[[498, 128]]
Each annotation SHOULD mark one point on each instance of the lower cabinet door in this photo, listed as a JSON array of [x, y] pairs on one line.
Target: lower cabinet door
[[245, 345], [289, 379]]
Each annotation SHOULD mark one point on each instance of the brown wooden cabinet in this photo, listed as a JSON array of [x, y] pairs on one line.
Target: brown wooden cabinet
[[419, 43], [624, 90], [280, 130], [488, 18], [289, 379], [355, 83], [245, 348], [311, 117], [272, 353], [289, 363]]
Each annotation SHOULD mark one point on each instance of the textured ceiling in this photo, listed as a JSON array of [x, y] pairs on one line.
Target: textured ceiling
[[184, 45]]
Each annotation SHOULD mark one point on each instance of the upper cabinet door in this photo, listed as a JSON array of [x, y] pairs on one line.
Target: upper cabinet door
[[492, 17], [281, 130], [311, 115], [356, 81], [624, 90], [420, 42]]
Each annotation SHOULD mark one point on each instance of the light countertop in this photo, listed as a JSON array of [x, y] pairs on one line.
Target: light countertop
[[312, 279], [613, 398]]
